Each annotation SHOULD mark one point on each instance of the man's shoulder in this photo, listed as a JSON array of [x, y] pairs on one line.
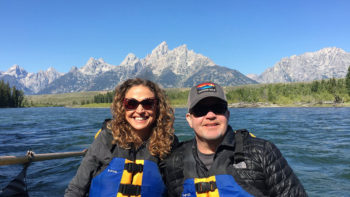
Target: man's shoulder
[[183, 146], [251, 140], [260, 147], [180, 149]]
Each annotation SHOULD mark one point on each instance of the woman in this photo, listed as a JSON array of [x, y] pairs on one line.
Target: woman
[[123, 159]]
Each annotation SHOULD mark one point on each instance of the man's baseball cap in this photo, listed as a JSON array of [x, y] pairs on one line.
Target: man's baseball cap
[[204, 90]]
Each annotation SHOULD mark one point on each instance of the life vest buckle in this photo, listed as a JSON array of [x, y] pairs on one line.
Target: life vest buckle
[[133, 167], [203, 187], [128, 189]]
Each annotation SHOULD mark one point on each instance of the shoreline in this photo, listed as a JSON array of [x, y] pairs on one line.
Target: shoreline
[[230, 105], [272, 105]]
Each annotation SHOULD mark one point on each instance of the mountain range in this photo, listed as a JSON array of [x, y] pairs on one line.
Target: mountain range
[[326, 63], [179, 67], [176, 68]]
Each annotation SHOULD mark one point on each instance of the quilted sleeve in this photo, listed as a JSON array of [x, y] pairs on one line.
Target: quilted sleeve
[[280, 178]]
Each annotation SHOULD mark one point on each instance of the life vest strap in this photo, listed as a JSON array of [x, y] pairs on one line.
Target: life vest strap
[[128, 189], [203, 187], [238, 154], [133, 167]]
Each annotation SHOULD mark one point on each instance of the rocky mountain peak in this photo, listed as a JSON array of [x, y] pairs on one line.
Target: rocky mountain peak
[[16, 71], [74, 69], [92, 61], [160, 50], [95, 66], [333, 50], [326, 63], [130, 60], [52, 70], [181, 48], [179, 61]]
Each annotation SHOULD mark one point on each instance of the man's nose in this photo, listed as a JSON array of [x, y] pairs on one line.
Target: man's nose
[[210, 115]]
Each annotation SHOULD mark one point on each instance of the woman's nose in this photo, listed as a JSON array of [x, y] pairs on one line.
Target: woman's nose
[[139, 108]]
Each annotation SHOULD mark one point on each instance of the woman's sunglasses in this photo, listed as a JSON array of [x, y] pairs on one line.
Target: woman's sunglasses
[[202, 110], [132, 104]]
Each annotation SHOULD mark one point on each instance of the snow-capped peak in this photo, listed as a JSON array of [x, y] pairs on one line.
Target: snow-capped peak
[[16, 71], [51, 69], [95, 66], [93, 61], [129, 60], [181, 48], [73, 69], [326, 63], [331, 50], [160, 50]]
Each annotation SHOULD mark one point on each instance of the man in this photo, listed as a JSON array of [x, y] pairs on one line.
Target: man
[[223, 162]]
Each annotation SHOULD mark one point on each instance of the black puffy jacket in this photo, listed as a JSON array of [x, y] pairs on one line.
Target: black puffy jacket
[[265, 171]]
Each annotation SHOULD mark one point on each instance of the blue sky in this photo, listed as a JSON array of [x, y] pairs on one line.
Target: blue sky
[[247, 35]]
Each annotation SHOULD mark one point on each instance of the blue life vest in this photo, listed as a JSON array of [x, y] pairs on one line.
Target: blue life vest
[[123, 177], [130, 173], [218, 181], [217, 185]]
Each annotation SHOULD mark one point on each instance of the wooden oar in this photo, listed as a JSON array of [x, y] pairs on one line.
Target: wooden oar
[[10, 160]]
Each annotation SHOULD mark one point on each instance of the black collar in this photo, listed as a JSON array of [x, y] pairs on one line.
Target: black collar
[[228, 140]]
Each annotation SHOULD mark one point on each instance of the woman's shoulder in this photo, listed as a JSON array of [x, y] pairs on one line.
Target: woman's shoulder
[[104, 136]]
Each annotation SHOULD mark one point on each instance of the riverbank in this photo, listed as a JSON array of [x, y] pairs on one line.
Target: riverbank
[[235, 105], [325, 93], [266, 105]]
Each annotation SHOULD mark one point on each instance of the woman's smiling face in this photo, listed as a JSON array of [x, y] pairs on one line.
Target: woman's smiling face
[[140, 119]]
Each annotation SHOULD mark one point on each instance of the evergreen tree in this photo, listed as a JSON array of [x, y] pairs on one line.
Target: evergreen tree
[[315, 86], [13, 97], [10, 97], [7, 95], [19, 98], [347, 81], [2, 94], [332, 83]]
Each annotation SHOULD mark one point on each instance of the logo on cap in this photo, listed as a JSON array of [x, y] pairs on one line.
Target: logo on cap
[[205, 87]]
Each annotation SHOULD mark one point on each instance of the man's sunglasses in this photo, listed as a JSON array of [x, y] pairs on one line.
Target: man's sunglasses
[[132, 104], [202, 110]]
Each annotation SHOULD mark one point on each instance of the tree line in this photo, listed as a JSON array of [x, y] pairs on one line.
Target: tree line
[[10, 96], [320, 91], [104, 98]]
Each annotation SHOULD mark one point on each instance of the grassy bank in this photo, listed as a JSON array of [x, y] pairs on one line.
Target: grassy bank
[[67, 99], [95, 105]]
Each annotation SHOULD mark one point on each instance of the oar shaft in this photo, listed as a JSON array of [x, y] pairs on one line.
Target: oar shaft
[[10, 160]]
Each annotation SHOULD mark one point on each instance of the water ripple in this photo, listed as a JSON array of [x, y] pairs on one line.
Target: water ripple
[[315, 142]]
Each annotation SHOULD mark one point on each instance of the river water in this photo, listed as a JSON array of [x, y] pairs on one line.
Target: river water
[[315, 142]]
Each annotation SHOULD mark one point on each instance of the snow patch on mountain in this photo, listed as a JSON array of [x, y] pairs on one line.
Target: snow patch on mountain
[[95, 66], [16, 71], [326, 63], [130, 60], [30, 82], [180, 60]]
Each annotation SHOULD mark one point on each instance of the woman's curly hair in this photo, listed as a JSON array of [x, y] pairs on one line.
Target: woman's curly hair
[[162, 134]]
